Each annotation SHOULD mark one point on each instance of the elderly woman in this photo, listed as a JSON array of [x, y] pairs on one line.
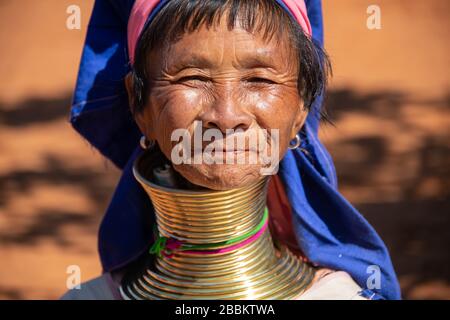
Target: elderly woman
[[211, 108]]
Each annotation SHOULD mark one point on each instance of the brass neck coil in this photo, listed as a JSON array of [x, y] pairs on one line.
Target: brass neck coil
[[257, 270]]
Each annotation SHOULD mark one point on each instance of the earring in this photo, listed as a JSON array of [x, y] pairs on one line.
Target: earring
[[145, 143], [296, 143]]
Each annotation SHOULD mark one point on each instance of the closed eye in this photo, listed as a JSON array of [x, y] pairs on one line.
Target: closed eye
[[260, 80], [193, 78]]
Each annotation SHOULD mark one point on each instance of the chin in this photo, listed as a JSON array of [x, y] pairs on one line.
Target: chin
[[220, 176]]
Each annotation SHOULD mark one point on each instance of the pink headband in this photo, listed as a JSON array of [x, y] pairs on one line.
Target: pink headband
[[143, 8]]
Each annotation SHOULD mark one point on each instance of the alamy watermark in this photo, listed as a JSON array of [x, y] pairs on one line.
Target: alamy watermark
[[73, 21], [73, 281], [374, 280], [373, 21]]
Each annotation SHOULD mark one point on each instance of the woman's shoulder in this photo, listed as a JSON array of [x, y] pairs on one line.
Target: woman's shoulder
[[100, 288], [333, 285]]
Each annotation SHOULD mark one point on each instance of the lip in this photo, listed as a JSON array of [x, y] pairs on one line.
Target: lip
[[225, 150], [234, 150]]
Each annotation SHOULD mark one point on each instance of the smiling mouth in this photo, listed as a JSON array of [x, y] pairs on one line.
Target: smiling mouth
[[231, 150], [215, 151], [234, 150]]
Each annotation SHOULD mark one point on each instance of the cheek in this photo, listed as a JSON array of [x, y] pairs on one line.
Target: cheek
[[277, 109], [175, 108]]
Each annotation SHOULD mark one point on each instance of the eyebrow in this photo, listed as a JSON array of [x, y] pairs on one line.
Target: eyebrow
[[248, 61], [257, 61], [193, 61]]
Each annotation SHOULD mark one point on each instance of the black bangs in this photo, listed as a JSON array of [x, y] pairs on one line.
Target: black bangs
[[184, 16], [265, 17]]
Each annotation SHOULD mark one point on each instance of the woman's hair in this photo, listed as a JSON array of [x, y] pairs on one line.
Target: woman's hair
[[178, 17]]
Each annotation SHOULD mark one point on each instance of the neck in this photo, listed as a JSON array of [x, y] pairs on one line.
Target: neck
[[240, 266]]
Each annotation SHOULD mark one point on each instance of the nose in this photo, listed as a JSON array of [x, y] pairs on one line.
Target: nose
[[227, 112]]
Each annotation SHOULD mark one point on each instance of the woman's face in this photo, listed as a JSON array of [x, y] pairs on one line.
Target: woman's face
[[223, 79]]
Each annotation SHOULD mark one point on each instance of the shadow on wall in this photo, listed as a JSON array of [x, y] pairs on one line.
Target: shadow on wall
[[34, 111], [392, 156], [92, 184], [49, 223], [390, 131]]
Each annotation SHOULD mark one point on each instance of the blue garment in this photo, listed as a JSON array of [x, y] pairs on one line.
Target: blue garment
[[329, 230]]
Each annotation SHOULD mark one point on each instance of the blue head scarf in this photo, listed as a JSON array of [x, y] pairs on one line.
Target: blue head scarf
[[328, 229]]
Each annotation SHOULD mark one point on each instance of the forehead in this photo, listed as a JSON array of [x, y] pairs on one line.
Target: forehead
[[218, 44]]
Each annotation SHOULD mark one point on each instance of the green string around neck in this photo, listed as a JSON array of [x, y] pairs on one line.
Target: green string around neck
[[161, 242], [159, 245]]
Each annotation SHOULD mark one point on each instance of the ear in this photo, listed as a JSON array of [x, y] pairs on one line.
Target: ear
[[299, 120], [141, 117]]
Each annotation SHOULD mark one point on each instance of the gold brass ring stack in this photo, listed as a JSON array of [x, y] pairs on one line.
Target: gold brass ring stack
[[257, 270]]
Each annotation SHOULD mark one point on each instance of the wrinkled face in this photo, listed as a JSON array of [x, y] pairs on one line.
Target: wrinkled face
[[225, 80]]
